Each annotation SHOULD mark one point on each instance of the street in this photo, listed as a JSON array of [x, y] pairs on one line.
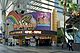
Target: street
[[17, 49]]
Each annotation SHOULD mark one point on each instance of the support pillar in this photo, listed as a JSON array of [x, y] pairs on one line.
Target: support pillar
[[54, 40], [20, 40]]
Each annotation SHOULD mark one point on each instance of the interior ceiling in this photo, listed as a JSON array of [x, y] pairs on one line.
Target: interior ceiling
[[29, 5], [34, 5], [75, 21]]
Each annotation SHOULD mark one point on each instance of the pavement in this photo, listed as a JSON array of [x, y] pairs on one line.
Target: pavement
[[44, 49]]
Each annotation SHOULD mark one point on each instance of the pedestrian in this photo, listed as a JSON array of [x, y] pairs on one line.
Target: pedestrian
[[62, 45], [70, 46]]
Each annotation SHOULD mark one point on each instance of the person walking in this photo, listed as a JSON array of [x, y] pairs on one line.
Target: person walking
[[70, 46], [62, 45]]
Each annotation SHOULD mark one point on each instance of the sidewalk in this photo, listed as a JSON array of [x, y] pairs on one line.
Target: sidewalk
[[40, 49]]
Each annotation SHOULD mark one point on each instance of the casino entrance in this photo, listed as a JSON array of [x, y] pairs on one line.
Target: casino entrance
[[38, 39]]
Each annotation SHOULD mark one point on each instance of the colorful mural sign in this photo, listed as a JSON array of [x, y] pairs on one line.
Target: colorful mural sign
[[43, 20], [37, 20], [13, 17]]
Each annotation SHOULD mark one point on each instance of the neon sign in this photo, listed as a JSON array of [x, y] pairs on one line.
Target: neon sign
[[33, 32], [23, 26], [16, 32]]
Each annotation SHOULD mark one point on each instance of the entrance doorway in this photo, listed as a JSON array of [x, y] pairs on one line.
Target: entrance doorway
[[44, 42]]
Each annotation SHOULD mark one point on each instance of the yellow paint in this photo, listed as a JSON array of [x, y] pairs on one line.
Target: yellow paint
[[54, 20]]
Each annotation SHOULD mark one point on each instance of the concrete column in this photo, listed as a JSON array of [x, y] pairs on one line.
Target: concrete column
[[54, 38], [20, 40]]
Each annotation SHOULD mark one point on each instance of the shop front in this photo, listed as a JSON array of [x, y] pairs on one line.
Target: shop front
[[35, 38], [33, 29]]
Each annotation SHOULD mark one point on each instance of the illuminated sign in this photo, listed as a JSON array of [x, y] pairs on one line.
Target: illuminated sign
[[23, 26], [39, 32], [17, 32], [33, 32], [30, 32]]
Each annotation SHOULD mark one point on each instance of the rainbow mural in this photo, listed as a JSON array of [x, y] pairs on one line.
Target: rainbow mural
[[13, 17]]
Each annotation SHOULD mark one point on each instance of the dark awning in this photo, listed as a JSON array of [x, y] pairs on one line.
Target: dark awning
[[22, 32]]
